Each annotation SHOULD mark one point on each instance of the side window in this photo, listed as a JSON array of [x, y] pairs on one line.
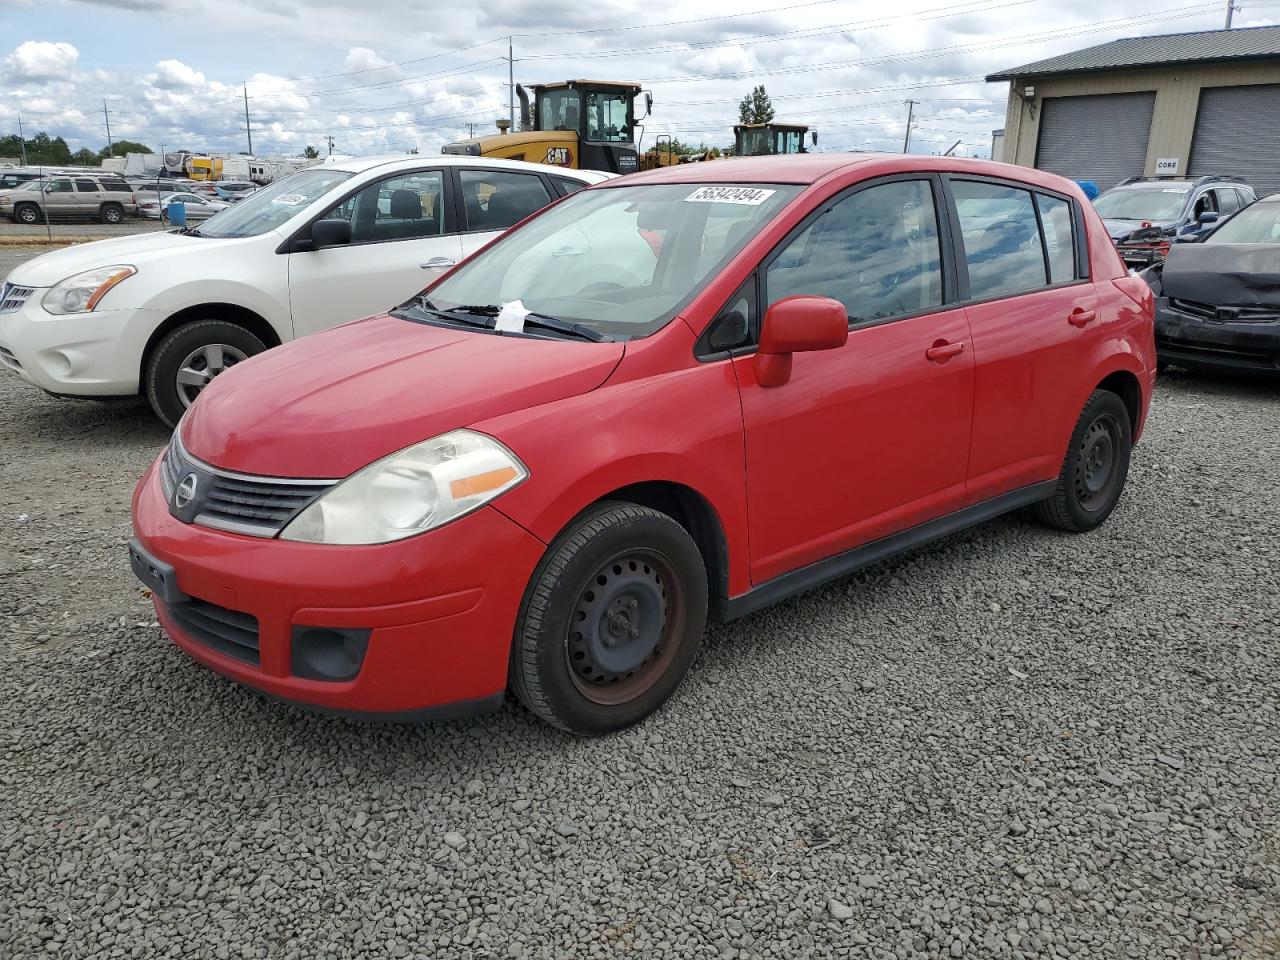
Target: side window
[[565, 186], [86, 186], [1001, 239], [876, 251], [494, 200], [1204, 204], [1059, 241], [59, 186], [407, 207], [1227, 202], [116, 186]]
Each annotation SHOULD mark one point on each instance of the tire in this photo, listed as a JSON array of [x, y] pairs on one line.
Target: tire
[[111, 213], [633, 580], [27, 213], [1094, 469], [203, 348]]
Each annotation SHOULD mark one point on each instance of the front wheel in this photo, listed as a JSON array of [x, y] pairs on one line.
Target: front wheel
[[27, 213], [185, 361], [1094, 469], [611, 620]]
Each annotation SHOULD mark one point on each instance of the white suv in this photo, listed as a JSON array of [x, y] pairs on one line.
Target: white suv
[[164, 313]]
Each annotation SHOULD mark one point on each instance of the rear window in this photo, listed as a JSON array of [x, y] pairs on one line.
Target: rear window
[[565, 186], [115, 186]]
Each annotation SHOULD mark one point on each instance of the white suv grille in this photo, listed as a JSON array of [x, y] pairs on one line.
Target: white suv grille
[[13, 297]]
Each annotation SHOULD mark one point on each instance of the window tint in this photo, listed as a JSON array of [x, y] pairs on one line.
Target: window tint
[[495, 200], [564, 186], [86, 186], [1001, 239], [1227, 202], [399, 208], [116, 186], [876, 251], [1055, 217]]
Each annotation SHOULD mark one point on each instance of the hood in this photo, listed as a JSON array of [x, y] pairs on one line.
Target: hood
[[331, 403], [1121, 229], [1224, 274], [51, 268]]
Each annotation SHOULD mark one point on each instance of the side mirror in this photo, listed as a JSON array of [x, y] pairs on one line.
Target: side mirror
[[1207, 216], [330, 233], [648, 104], [798, 325]]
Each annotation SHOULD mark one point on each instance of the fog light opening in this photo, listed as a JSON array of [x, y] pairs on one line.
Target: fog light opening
[[328, 653]]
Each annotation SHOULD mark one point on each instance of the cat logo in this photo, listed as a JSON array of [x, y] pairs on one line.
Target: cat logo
[[559, 156]]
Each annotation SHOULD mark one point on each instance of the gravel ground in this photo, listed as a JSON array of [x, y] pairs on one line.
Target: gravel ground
[[1015, 743], [79, 228]]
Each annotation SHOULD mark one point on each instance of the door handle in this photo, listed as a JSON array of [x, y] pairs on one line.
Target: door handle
[[438, 263], [1079, 316], [942, 351]]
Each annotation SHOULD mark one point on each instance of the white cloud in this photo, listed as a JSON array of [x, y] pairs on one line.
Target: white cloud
[[175, 75], [363, 58], [41, 60]]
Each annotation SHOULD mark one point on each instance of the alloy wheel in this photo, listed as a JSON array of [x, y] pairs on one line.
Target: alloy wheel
[[202, 365]]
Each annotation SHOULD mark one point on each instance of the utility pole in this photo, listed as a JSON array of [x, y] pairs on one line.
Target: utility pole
[[511, 80], [106, 116], [247, 130], [330, 139], [1231, 8], [471, 130], [906, 141], [22, 137]]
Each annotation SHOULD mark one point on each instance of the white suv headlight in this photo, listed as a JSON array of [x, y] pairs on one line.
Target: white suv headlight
[[417, 489], [81, 293]]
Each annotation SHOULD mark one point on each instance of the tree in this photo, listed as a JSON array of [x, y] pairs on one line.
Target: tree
[[122, 147], [41, 149], [756, 107], [311, 153], [412, 150], [84, 157]]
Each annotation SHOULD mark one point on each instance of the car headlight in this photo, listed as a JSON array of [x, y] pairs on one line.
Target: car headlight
[[417, 489], [81, 293]]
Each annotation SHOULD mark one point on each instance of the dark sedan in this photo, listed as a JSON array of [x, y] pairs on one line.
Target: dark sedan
[[1218, 300]]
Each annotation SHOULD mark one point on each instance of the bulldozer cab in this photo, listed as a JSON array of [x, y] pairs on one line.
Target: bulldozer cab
[[601, 113], [769, 139]]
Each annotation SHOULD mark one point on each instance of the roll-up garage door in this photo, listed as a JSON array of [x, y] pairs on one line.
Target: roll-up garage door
[[1237, 133], [1099, 138]]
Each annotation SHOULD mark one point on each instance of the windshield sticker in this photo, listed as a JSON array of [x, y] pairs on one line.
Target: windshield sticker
[[290, 199], [748, 196]]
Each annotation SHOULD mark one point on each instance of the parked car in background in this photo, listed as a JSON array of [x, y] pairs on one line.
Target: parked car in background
[[1144, 214], [1218, 300], [232, 191], [107, 198], [679, 395], [197, 208], [163, 313], [16, 177]]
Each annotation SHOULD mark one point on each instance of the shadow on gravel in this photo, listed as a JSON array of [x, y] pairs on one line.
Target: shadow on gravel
[[1242, 386]]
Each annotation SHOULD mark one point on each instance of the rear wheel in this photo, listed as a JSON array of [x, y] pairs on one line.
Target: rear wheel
[[186, 361], [1094, 469], [27, 213], [611, 621], [111, 213]]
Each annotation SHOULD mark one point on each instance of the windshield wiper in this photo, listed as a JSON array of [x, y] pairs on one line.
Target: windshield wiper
[[541, 320]]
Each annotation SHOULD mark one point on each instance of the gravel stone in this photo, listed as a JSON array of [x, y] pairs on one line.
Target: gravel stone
[[151, 809]]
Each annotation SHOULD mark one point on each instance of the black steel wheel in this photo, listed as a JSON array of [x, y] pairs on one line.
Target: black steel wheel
[[1095, 467], [611, 620]]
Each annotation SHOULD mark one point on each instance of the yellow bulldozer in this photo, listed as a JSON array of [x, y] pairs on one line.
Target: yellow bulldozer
[[769, 139], [583, 124]]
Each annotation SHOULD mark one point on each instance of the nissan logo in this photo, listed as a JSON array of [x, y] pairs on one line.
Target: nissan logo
[[186, 491]]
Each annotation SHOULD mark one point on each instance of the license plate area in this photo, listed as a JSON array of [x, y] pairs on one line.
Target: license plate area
[[155, 574]]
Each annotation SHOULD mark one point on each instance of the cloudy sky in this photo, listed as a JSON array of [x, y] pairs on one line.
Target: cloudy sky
[[384, 77]]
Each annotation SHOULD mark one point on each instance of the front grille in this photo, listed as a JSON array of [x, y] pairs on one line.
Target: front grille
[[8, 359], [13, 297], [227, 631], [236, 502], [1209, 311]]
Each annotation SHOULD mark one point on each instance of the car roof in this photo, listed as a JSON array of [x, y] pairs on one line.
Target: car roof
[[812, 168], [397, 162]]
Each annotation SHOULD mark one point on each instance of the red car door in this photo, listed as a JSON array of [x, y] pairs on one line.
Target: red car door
[[1034, 322], [872, 437]]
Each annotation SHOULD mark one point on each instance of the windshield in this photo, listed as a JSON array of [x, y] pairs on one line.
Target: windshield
[[1259, 223], [268, 208], [621, 261], [1143, 203]]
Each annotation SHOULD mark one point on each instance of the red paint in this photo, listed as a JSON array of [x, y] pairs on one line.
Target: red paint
[[820, 441]]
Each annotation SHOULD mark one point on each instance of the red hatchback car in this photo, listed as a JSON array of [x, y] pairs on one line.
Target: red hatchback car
[[674, 396]]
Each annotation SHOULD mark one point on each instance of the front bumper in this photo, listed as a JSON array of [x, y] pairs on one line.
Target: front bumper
[[95, 354], [1191, 341], [439, 609]]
